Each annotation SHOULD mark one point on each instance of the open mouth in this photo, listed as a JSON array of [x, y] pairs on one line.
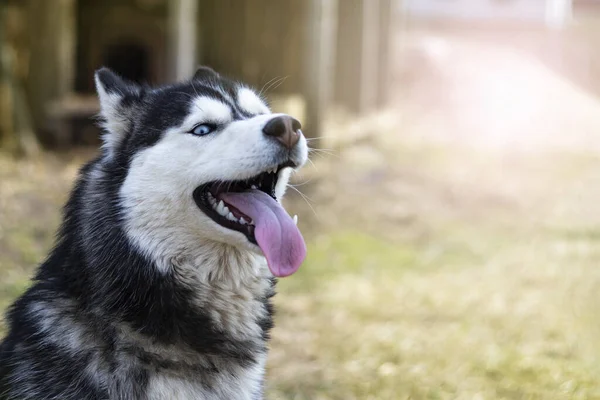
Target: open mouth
[[209, 198], [249, 206]]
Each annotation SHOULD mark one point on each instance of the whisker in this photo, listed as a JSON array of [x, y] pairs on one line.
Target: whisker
[[301, 183], [324, 153], [313, 164], [194, 87], [263, 88], [317, 150], [306, 199], [275, 83], [316, 138]]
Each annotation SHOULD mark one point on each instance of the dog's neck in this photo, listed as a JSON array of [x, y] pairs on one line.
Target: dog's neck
[[232, 285], [201, 293]]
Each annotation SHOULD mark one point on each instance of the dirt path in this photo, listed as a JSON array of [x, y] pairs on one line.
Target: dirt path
[[492, 92]]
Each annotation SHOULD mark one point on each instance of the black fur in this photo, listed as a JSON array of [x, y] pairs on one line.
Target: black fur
[[95, 280]]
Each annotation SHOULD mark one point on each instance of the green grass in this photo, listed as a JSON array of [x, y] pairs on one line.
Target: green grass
[[369, 319], [350, 253]]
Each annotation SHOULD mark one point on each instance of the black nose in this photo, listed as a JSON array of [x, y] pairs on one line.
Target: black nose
[[285, 129]]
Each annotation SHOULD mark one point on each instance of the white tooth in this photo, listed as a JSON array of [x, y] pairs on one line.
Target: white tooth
[[231, 217], [253, 187], [242, 220], [221, 207], [295, 220]]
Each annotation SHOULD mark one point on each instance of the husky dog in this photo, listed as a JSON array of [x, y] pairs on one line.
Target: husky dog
[[160, 283]]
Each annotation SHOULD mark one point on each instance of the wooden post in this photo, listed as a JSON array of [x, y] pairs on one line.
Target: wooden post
[[320, 62], [6, 106], [65, 47], [358, 49], [52, 49], [558, 12], [16, 131], [368, 56], [387, 44], [182, 34]]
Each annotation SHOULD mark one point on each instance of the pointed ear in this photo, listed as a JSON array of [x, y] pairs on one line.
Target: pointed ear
[[117, 100], [204, 73]]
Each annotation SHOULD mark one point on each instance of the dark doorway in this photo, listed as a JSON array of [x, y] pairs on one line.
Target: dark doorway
[[130, 60]]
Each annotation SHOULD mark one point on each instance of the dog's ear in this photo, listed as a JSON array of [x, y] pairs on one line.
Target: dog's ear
[[206, 73], [117, 100]]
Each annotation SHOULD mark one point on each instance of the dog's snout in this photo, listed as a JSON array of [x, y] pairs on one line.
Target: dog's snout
[[285, 129]]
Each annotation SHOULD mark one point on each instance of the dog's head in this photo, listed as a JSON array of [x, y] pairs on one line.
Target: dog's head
[[206, 163]]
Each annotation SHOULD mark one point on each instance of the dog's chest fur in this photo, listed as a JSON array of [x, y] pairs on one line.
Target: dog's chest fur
[[214, 349], [237, 383], [234, 307]]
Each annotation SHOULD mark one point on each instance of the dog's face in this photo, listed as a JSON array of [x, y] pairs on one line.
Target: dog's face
[[207, 162]]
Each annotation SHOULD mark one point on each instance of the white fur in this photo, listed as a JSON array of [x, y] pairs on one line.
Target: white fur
[[282, 180], [237, 383], [58, 328], [162, 217], [205, 109], [240, 385], [250, 102], [115, 122], [164, 222], [176, 388]]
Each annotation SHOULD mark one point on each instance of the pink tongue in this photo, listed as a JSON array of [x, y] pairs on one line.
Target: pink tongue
[[275, 231]]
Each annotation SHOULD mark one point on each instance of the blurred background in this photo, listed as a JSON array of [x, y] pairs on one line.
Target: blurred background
[[452, 202]]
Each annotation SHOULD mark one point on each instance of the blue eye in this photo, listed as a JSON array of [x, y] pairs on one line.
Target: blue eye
[[203, 129]]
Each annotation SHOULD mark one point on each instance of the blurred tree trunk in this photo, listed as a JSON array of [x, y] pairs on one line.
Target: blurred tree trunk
[[6, 128], [364, 47], [16, 132], [387, 45], [51, 65], [320, 63], [182, 36]]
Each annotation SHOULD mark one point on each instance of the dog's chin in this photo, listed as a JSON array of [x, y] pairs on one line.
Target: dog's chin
[[227, 237], [248, 246]]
